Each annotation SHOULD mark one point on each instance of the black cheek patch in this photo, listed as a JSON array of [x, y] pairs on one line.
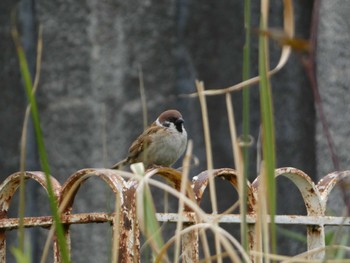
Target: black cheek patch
[[179, 124], [178, 127]]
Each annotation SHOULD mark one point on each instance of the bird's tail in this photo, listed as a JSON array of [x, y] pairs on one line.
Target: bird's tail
[[119, 165]]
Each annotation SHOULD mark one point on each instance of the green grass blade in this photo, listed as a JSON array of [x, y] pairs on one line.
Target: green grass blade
[[245, 117], [150, 224], [27, 80], [268, 131], [20, 256]]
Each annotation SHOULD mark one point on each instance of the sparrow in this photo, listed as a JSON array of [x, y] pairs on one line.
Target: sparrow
[[161, 144]]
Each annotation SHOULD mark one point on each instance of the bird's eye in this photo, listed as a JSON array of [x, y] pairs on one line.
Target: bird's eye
[[166, 124]]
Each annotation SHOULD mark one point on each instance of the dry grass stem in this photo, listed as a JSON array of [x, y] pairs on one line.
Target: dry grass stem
[[184, 183], [224, 238], [262, 212], [116, 224], [305, 256], [288, 27], [209, 155], [239, 165], [143, 98]]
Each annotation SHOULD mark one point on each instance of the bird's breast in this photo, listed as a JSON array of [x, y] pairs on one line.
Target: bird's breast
[[165, 150]]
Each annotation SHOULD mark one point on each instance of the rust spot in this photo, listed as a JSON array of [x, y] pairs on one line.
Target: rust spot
[[127, 223], [311, 190], [3, 214], [129, 198], [123, 247], [315, 229]]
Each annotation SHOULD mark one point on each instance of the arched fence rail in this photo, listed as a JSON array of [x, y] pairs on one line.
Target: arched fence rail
[[124, 222]]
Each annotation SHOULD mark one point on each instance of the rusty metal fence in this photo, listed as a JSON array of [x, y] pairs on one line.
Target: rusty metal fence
[[315, 197]]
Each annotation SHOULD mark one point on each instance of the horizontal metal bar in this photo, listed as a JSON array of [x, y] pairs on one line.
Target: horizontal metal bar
[[85, 218], [279, 219], [46, 221]]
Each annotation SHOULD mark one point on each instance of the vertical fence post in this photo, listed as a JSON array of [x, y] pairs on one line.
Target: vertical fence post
[[124, 225], [313, 203], [324, 187], [190, 244], [315, 239], [2, 242], [129, 230], [56, 249]]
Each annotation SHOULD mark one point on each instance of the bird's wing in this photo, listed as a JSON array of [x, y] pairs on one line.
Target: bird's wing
[[141, 143]]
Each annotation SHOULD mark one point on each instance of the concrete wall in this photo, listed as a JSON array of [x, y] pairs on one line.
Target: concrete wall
[[89, 89], [333, 80]]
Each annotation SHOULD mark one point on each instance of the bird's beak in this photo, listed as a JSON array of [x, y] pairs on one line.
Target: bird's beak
[[179, 121]]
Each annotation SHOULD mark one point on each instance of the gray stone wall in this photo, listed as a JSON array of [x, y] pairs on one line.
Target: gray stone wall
[[333, 80], [89, 90]]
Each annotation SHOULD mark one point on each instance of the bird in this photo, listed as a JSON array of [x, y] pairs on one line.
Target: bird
[[161, 144]]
